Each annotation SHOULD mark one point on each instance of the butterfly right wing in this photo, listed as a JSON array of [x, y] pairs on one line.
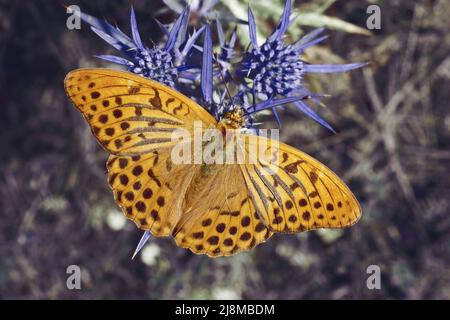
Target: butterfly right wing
[[294, 192]]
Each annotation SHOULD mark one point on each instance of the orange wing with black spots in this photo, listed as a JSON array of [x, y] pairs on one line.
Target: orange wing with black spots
[[129, 114], [294, 192], [219, 218]]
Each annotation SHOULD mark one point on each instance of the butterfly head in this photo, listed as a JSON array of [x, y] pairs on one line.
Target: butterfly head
[[233, 119]]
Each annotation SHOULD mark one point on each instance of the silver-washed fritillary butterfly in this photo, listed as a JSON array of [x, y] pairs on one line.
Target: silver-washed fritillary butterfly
[[213, 209]]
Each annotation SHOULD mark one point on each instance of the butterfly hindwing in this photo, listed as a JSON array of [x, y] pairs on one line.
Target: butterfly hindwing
[[150, 189], [219, 217], [294, 192]]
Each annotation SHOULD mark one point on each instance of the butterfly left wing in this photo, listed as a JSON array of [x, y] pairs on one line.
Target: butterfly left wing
[[130, 114], [294, 192]]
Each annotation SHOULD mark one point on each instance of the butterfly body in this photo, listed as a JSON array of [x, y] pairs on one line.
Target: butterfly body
[[217, 208]]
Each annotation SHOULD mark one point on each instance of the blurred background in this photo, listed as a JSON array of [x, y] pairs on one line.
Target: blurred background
[[392, 148]]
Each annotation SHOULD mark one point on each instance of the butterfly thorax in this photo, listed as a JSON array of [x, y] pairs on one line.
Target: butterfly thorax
[[234, 119]]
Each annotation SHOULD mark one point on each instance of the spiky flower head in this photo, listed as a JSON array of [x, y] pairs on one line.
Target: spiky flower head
[[227, 104], [156, 64], [165, 64], [268, 75], [276, 69]]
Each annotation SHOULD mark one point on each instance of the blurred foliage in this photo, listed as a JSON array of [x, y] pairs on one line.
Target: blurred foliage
[[393, 149]]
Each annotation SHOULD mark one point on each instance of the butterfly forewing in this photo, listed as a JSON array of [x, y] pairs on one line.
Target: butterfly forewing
[[129, 114]]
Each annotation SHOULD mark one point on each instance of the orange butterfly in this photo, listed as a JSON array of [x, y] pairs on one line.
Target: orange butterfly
[[213, 209]]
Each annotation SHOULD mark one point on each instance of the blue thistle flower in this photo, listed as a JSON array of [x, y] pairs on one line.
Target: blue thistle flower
[[276, 69], [165, 64], [240, 98]]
